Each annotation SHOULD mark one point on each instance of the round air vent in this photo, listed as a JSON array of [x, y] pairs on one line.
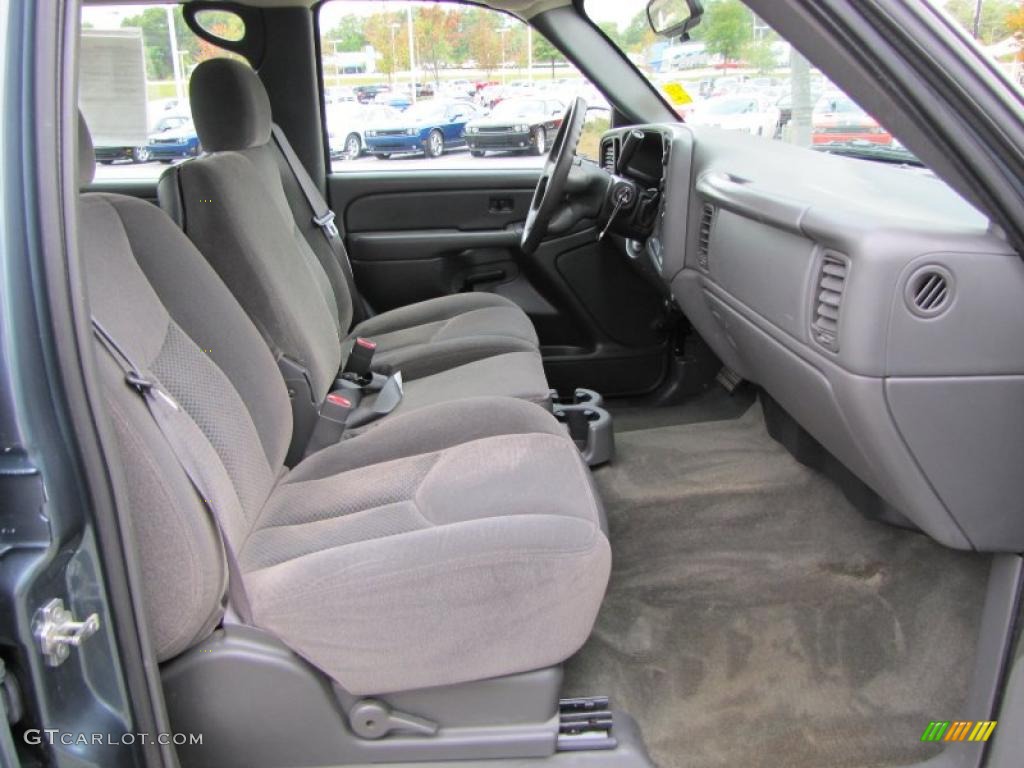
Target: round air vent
[[929, 291]]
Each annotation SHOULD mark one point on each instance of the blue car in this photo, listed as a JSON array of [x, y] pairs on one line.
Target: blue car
[[429, 127], [173, 138]]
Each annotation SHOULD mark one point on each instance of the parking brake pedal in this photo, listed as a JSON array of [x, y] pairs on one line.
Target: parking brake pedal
[[585, 723]]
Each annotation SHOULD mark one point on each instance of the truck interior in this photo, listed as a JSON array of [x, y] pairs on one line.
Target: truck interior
[[700, 451]]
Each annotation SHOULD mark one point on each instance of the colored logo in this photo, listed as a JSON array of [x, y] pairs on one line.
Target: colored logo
[[958, 730]]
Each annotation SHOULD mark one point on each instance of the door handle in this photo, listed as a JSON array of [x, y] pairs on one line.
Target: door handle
[[501, 205]]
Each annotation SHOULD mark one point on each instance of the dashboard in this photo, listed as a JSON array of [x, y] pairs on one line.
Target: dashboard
[[875, 305]]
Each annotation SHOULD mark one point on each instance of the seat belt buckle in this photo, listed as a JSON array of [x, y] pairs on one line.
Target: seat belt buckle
[[336, 407], [326, 223], [360, 360]]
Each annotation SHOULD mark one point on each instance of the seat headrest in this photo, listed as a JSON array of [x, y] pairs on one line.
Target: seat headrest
[[86, 154], [230, 107]]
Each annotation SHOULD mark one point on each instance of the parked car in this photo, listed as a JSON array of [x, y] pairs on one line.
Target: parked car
[[837, 118], [111, 154], [785, 107], [346, 123], [749, 113], [367, 93], [395, 99], [523, 125], [173, 138], [429, 127], [339, 94], [462, 89]]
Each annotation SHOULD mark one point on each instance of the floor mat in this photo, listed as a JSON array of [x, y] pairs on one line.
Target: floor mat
[[713, 404], [754, 618]]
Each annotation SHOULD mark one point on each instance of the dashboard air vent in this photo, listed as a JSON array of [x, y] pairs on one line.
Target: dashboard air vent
[[609, 153], [831, 283], [929, 291], [707, 222]]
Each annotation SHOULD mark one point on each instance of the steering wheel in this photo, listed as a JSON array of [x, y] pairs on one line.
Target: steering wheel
[[551, 186]]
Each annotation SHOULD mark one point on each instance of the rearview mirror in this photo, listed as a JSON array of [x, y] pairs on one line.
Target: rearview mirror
[[674, 18]]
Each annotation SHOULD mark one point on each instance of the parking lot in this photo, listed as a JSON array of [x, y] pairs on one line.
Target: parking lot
[[458, 159]]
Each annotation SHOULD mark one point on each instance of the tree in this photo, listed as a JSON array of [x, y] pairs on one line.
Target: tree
[[347, 34], [1015, 26], [483, 39], [638, 34], [992, 24], [546, 52], [727, 28], [388, 34], [156, 42], [434, 27], [758, 55]]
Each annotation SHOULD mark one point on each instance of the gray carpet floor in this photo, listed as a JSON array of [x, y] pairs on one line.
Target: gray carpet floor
[[754, 618]]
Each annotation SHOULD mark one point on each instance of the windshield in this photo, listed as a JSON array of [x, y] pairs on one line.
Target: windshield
[[517, 108], [736, 73]]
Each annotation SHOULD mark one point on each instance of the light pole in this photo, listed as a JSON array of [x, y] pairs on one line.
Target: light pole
[[977, 20], [175, 61], [503, 31], [412, 56], [529, 53], [394, 61]]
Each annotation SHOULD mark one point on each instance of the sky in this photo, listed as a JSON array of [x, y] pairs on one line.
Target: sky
[[619, 11]]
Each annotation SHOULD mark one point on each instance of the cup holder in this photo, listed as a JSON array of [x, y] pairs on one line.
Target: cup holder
[[590, 427], [579, 396]]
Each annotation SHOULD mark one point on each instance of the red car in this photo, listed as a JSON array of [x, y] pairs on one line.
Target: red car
[[836, 118]]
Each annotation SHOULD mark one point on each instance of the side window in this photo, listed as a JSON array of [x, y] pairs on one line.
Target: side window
[[443, 84], [134, 66]]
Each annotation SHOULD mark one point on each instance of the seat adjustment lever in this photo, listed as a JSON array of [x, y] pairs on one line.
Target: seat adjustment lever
[[373, 719]]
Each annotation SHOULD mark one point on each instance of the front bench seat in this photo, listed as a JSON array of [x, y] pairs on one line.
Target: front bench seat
[[454, 543], [233, 206]]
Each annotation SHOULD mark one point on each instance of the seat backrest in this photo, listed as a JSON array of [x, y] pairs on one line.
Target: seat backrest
[[157, 296], [233, 205]]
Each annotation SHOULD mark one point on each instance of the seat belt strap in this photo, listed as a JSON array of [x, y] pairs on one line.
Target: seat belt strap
[[323, 217], [173, 424]]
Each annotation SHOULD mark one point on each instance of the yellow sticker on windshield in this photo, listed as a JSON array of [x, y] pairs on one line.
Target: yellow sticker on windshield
[[677, 93]]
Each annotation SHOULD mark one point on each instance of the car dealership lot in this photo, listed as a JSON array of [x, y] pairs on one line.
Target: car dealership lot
[[455, 159]]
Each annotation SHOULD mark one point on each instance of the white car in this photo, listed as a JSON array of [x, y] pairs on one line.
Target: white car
[[339, 94], [750, 113], [345, 123]]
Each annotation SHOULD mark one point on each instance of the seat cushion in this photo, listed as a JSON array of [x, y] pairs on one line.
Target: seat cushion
[[516, 374], [443, 333], [444, 560]]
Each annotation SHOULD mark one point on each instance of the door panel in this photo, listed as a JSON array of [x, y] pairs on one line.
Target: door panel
[[417, 234], [464, 209]]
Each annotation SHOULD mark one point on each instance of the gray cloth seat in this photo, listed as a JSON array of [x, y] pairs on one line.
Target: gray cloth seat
[[456, 542], [234, 206]]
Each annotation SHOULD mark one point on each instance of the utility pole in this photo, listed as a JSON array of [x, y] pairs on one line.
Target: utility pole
[[179, 85], [529, 53], [395, 26], [412, 56], [977, 20], [801, 106], [502, 31]]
